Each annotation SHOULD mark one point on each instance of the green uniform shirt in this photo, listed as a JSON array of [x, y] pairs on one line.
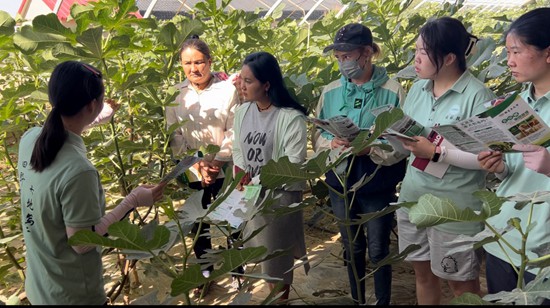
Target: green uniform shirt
[[66, 193], [463, 100], [524, 180], [342, 97]]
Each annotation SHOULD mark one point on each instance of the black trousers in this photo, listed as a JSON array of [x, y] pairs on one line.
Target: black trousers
[[204, 242]]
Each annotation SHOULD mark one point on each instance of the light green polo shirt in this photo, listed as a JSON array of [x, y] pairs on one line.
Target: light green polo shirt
[[463, 100], [524, 180], [67, 193]]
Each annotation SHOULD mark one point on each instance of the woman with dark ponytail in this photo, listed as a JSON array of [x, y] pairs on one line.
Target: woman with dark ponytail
[[61, 193]]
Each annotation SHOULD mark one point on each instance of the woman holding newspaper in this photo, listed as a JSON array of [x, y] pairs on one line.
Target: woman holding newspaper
[[528, 48], [446, 93], [61, 193], [204, 111], [362, 87]]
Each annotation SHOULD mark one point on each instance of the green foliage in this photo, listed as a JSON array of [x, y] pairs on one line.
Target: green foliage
[[139, 59], [431, 211], [532, 294], [128, 236]]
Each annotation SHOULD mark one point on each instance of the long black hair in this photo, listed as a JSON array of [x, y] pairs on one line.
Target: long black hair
[[446, 35], [532, 28], [72, 86], [265, 68]]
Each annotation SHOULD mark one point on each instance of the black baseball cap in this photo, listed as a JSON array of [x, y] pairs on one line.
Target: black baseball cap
[[350, 37]]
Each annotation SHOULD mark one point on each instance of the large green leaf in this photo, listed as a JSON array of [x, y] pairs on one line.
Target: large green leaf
[[536, 197], [50, 24], [322, 162], [382, 122], [7, 24], [491, 202], [169, 36], [127, 236], [116, 44], [275, 174], [431, 210], [28, 40], [92, 40], [148, 231]]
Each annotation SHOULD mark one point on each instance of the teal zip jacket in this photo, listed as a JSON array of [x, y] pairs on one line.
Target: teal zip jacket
[[342, 97]]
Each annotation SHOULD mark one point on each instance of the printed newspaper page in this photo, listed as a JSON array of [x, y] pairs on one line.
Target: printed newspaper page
[[339, 126], [234, 207], [508, 121]]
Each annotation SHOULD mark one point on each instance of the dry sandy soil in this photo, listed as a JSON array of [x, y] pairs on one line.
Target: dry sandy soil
[[326, 283]]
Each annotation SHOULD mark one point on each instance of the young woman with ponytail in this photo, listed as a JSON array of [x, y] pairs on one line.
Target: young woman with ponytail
[[61, 193]]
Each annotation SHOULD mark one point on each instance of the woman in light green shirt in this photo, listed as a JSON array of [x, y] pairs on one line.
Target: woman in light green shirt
[[61, 193], [446, 93], [528, 48]]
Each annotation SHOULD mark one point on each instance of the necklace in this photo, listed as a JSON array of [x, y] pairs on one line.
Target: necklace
[[260, 109]]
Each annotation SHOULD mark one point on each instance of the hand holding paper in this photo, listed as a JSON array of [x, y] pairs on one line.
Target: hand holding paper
[[245, 180], [421, 147], [491, 161], [144, 195], [535, 157]]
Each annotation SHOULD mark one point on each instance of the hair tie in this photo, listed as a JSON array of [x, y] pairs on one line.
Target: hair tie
[[473, 41], [54, 111], [89, 68]]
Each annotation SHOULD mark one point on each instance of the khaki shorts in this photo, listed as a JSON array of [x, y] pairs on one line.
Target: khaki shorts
[[434, 245]]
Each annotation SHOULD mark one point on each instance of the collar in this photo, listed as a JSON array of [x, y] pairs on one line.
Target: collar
[[378, 78], [214, 83], [531, 96], [459, 86], [76, 141]]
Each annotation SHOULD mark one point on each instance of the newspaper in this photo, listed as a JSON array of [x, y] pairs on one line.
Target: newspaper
[[406, 127], [235, 206], [340, 126], [508, 120]]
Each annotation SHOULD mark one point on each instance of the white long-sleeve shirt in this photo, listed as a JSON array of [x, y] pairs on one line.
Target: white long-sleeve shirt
[[204, 118]]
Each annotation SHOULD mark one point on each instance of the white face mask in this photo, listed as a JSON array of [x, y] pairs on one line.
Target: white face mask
[[351, 69]]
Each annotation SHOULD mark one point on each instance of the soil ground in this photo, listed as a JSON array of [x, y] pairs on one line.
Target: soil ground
[[326, 283]]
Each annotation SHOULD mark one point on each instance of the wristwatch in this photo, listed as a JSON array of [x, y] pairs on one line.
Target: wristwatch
[[437, 153]]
